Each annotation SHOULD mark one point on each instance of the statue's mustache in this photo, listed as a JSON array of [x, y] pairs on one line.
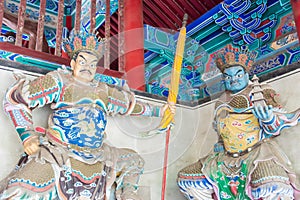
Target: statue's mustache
[[86, 70]]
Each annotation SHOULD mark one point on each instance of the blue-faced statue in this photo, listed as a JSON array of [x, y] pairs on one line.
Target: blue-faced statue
[[236, 78]]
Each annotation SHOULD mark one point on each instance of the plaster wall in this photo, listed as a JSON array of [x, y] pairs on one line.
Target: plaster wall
[[191, 138]]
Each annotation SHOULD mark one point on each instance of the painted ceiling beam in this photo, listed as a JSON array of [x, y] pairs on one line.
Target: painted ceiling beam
[[157, 40], [160, 50], [161, 71], [208, 34], [155, 62]]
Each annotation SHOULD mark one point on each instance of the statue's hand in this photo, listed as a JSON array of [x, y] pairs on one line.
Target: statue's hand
[[263, 113], [168, 114], [169, 106], [31, 146], [219, 147]]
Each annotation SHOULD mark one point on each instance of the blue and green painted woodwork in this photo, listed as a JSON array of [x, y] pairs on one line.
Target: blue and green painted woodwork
[[265, 26]]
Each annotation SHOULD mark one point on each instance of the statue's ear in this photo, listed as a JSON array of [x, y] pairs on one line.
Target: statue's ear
[[247, 75], [72, 64]]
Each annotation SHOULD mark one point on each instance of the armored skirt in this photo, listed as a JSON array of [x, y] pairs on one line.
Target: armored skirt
[[57, 173]]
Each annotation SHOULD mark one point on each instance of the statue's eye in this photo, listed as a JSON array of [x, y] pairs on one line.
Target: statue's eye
[[240, 75], [93, 66], [82, 62], [227, 78]]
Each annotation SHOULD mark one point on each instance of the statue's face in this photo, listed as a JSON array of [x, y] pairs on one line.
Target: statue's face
[[84, 66], [236, 78]]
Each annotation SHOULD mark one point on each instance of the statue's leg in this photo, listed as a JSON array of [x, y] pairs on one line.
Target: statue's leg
[[129, 167], [33, 180], [270, 181], [193, 184]]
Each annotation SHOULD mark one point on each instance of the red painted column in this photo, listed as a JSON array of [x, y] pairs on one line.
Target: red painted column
[[296, 12], [1, 13], [134, 44]]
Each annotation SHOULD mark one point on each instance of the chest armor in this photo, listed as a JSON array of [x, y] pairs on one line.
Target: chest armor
[[239, 130], [79, 93], [79, 119]]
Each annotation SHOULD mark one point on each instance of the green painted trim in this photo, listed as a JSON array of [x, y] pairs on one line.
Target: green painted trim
[[208, 30], [217, 43], [100, 19], [30, 61], [156, 48], [37, 63], [154, 62]]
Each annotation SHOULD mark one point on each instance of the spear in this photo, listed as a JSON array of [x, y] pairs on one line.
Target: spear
[[168, 117]]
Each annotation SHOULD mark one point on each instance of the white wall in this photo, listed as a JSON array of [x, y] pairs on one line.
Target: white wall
[[191, 138]]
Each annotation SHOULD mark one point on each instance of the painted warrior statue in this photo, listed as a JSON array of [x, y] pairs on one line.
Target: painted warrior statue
[[246, 163], [69, 160]]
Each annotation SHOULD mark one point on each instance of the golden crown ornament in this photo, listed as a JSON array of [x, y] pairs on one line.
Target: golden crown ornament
[[229, 56], [84, 42]]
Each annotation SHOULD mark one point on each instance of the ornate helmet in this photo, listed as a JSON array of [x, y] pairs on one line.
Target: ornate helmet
[[229, 56], [83, 42]]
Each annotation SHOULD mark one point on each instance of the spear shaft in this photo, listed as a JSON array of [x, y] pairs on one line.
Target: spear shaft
[[172, 97]]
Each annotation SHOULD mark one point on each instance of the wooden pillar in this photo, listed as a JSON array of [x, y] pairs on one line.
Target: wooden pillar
[[59, 27], [93, 16], [40, 29], [21, 20], [107, 36], [134, 44], [77, 16], [296, 12], [121, 66]]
